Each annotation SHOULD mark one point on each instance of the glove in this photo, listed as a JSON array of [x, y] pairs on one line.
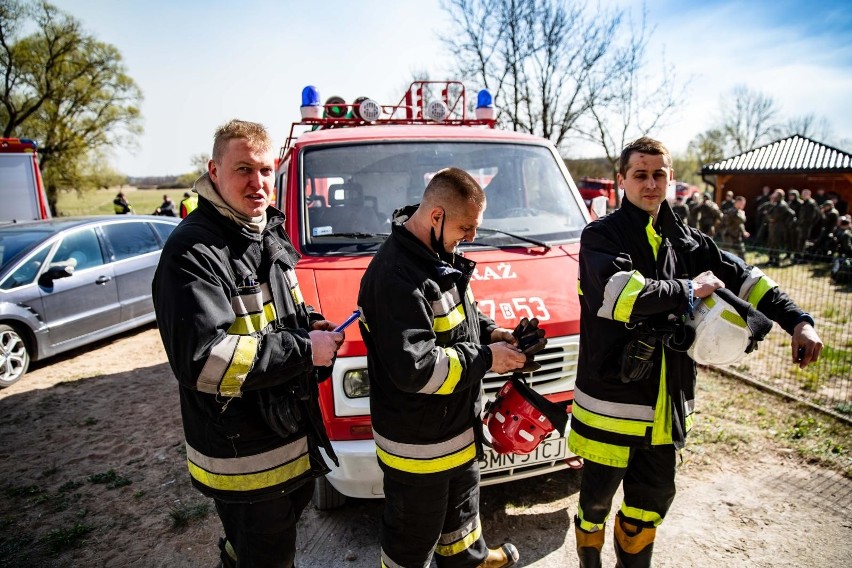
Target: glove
[[530, 340]]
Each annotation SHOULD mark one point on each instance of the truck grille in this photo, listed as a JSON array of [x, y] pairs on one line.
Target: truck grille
[[558, 368]]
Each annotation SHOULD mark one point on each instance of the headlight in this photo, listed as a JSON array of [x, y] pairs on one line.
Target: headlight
[[356, 383]]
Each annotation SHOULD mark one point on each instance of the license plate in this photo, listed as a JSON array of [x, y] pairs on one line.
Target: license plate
[[551, 449]]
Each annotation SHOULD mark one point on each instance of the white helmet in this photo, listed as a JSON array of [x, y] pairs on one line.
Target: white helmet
[[726, 328]]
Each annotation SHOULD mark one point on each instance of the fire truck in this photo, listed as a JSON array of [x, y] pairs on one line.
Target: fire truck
[[21, 190], [345, 169]]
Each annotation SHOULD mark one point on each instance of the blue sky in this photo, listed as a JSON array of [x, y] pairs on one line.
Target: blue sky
[[201, 63]]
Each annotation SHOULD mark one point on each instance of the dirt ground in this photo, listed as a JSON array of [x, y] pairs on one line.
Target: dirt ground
[[93, 474]]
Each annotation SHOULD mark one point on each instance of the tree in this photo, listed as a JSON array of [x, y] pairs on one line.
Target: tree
[[749, 119], [63, 88]]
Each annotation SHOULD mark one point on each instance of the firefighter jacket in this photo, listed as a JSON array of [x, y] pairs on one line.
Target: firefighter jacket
[[235, 329], [426, 358], [635, 277]]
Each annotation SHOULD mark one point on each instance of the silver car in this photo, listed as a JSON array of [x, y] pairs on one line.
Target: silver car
[[67, 282]]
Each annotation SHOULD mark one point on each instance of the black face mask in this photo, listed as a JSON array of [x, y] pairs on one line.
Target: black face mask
[[438, 243]]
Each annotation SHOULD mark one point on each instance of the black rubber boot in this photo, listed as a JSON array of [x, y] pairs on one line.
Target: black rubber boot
[[634, 544], [589, 546]]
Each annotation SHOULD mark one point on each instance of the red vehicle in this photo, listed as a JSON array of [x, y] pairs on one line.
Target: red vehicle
[[21, 190], [596, 187], [339, 184]]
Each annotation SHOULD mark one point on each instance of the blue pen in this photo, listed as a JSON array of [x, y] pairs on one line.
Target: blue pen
[[348, 321]]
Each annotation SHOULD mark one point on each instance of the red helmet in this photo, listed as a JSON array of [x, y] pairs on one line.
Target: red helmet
[[518, 419]]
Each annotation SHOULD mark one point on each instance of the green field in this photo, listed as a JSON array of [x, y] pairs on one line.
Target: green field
[[99, 202]]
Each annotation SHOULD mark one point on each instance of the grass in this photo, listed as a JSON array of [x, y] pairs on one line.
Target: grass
[[99, 201], [110, 478], [185, 513], [63, 538]]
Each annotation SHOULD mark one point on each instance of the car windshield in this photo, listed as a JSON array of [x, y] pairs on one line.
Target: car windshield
[[350, 192], [16, 241]]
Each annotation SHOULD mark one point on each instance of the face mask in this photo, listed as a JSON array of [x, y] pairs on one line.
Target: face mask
[[438, 243]]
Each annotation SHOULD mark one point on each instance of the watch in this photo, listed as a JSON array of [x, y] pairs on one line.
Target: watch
[[805, 317]]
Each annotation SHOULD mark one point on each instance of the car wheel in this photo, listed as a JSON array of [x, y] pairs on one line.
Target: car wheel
[[326, 496], [14, 357]]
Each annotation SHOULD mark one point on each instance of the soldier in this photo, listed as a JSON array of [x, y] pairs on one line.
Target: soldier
[[681, 209], [807, 218], [824, 242], [761, 207], [733, 229], [728, 203], [793, 201], [781, 220], [709, 216], [692, 203], [843, 236]]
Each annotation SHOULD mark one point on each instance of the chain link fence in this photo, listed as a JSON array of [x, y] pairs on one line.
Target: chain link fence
[[827, 383]]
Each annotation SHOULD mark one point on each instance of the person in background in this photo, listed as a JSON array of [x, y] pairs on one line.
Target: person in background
[[761, 206], [733, 229], [728, 203], [188, 204], [794, 200], [166, 208], [806, 221], [428, 348], [782, 223], [247, 353], [121, 205], [681, 209], [633, 407], [709, 216]]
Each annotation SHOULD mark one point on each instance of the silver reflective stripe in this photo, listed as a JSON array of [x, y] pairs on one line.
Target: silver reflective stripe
[[439, 373], [754, 276], [425, 451], [612, 293], [248, 304], [249, 464], [450, 538], [217, 364], [447, 303], [293, 284], [388, 563], [689, 405], [613, 409]]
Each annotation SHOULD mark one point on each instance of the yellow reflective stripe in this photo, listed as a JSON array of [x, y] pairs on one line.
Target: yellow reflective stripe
[[586, 525], [433, 465], [733, 318], [627, 298], [579, 289], [460, 545], [250, 481], [245, 325], [690, 421], [610, 424], [599, 452], [642, 515], [453, 373], [240, 366], [449, 321], [759, 290], [654, 239], [662, 432]]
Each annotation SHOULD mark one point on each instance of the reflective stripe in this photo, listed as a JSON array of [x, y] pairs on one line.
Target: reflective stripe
[[654, 239], [600, 452], [662, 432], [460, 540], [293, 284], [253, 311], [616, 425], [250, 472], [586, 525], [426, 458], [615, 409], [756, 285], [226, 367], [388, 563], [448, 311], [453, 373], [733, 317], [620, 295], [641, 515]]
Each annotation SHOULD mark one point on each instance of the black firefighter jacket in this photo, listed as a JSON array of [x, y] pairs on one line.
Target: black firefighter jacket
[[426, 357], [235, 330], [625, 288]]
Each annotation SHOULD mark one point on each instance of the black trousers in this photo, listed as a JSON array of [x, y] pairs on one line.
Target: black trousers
[[263, 533], [441, 517], [648, 482]]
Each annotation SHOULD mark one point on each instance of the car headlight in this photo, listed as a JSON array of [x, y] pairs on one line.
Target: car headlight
[[356, 383]]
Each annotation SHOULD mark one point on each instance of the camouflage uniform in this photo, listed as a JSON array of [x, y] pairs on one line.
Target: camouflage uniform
[[809, 215], [781, 221], [709, 217], [682, 211], [733, 231]]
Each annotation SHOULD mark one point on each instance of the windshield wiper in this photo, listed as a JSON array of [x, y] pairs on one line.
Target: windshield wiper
[[530, 240], [354, 235]]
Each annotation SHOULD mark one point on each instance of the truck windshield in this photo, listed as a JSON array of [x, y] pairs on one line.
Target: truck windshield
[[351, 191], [18, 192]]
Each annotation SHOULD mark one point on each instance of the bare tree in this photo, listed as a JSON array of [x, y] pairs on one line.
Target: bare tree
[[749, 119], [707, 147], [809, 126]]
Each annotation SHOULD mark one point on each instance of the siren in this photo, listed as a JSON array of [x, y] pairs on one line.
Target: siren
[[437, 110], [366, 109], [311, 107], [335, 107]]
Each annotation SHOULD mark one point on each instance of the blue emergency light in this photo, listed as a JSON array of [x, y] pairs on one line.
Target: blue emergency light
[[484, 105], [311, 107]]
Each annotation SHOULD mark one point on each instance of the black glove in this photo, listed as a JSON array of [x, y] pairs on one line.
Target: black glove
[[531, 340]]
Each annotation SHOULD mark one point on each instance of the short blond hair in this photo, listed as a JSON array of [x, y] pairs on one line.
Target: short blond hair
[[252, 132]]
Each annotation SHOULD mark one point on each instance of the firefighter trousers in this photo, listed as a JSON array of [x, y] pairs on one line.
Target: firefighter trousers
[[440, 517], [262, 534]]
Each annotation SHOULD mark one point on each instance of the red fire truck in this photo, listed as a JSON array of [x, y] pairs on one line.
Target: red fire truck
[[597, 187], [21, 190], [339, 183]]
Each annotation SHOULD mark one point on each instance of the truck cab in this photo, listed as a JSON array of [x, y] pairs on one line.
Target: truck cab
[[21, 190], [339, 183]]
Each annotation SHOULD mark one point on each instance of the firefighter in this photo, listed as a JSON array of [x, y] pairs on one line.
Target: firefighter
[[428, 348], [246, 351], [188, 204], [640, 270], [121, 205]]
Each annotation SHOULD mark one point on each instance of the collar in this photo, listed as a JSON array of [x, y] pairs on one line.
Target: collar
[[205, 188], [666, 224], [453, 263]]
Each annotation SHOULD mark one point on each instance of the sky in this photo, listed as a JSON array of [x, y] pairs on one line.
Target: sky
[[199, 64]]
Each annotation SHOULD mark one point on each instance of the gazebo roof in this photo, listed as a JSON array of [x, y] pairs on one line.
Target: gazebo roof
[[793, 155]]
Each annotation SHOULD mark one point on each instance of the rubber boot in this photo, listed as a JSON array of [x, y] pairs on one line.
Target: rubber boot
[[227, 556], [503, 557], [589, 546], [634, 544]]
